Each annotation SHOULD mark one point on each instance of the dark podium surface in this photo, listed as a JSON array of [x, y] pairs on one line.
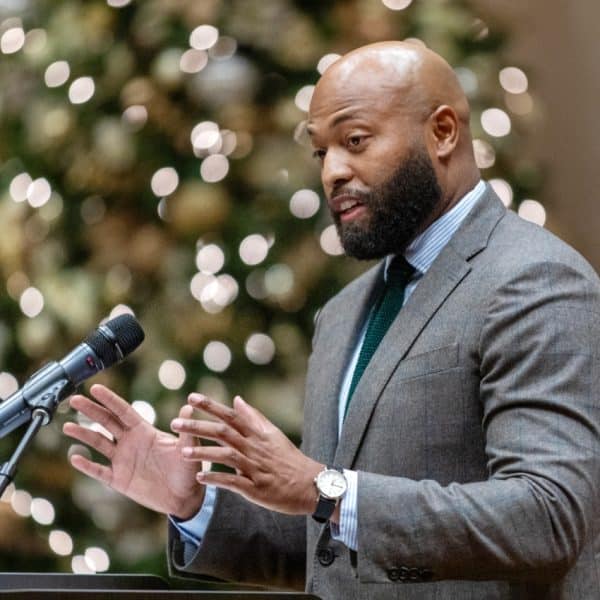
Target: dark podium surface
[[95, 587]]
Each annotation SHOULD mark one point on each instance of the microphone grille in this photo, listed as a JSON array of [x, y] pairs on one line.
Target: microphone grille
[[122, 332]]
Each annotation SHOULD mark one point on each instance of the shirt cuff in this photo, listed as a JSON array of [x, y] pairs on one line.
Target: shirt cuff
[[347, 529], [193, 530]]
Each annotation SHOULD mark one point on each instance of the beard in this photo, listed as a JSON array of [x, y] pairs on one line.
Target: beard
[[398, 210]]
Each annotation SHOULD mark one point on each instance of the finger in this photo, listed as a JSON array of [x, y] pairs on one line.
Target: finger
[[227, 456], [228, 481], [224, 413], [186, 439], [116, 405], [209, 430], [249, 414], [97, 413], [92, 469], [95, 440]]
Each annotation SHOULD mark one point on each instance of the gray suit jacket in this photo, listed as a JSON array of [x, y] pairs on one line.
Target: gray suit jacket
[[475, 432]]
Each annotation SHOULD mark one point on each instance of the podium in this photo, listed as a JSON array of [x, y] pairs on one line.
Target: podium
[[39, 586]]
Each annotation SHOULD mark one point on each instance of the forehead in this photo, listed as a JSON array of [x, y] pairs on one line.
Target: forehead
[[363, 93]]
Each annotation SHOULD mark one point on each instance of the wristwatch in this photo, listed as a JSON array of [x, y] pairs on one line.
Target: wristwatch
[[331, 486]]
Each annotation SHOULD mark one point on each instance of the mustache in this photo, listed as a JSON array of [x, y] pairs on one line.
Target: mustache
[[360, 195]]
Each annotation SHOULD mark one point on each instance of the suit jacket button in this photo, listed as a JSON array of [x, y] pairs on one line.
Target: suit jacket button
[[393, 574], [325, 556], [403, 574], [414, 574]]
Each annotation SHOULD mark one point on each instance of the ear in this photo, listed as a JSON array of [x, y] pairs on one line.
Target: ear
[[444, 131]]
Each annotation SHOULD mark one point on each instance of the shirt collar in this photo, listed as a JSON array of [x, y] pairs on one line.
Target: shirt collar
[[424, 249]]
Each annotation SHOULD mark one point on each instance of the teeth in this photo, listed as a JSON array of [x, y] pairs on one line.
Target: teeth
[[347, 205]]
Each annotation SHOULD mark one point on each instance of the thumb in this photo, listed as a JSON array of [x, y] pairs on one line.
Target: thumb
[[186, 439]]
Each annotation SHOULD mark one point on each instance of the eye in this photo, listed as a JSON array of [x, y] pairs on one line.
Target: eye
[[355, 141], [319, 154]]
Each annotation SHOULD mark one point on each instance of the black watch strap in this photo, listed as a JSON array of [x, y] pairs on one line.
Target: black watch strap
[[324, 510], [325, 506]]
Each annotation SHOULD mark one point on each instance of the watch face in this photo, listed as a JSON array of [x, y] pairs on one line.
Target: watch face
[[331, 484]]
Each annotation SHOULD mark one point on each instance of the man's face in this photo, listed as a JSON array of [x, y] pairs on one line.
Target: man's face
[[377, 175]]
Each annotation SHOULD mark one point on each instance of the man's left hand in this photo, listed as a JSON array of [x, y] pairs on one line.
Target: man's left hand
[[269, 470]]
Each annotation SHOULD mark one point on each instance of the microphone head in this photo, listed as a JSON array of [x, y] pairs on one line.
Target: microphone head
[[115, 339]]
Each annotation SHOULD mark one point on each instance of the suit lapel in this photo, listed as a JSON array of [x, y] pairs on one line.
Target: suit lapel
[[446, 272], [341, 326]]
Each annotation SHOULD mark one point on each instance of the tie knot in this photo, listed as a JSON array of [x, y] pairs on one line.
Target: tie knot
[[399, 271]]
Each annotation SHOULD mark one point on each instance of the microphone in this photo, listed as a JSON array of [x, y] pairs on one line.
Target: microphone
[[55, 381]]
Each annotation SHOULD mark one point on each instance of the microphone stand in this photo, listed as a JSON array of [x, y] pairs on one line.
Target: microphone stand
[[43, 408]]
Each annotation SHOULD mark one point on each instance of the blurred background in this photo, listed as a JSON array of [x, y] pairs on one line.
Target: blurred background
[[153, 160]]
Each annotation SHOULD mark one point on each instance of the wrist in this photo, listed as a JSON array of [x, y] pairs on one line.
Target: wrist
[[186, 508]]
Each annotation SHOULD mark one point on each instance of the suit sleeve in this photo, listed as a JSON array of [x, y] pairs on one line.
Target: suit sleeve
[[539, 371], [244, 543]]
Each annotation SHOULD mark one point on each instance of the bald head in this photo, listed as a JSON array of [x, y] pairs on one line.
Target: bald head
[[418, 78]]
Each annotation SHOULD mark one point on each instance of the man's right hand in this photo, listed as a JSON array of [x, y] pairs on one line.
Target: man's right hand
[[146, 464]]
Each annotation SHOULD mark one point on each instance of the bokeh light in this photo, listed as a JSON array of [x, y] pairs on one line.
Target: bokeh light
[[42, 511], [38, 192], [18, 187], [210, 259], [31, 302], [495, 122], [21, 503], [164, 181], [397, 4], [532, 210], [145, 409], [254, 249], [57, 73], [503, 189], [60, 542], [260, 349], [80, 566], [98, 559], [513, 80], [326, 61], [214, 168], [305, 204], [485, 155], [12, 40], [217, 356], [8, 384], [171, 374], [304, 96], [81, 90], [330, 241], [193, 61], [203, 37]]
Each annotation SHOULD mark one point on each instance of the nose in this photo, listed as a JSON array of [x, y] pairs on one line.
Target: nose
[[336, 170]]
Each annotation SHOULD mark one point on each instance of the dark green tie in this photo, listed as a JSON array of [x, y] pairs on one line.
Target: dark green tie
[[384, 312]]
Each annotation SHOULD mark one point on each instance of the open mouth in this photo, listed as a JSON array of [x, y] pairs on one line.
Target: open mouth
[[350, 208]]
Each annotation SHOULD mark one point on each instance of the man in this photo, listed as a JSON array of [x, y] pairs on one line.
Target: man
[[461, 432]]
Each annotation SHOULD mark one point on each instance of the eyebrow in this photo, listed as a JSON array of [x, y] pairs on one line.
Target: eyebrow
[[337, 120]]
